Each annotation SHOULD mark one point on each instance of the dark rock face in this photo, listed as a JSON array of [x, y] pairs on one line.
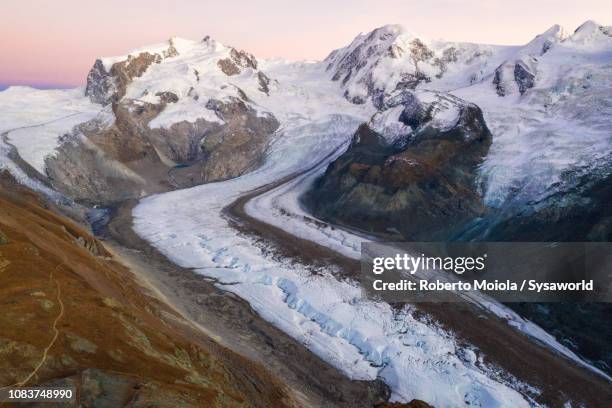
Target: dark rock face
[[518, 72], [228, 67], [106, 87], [100, 84], [411, 81], [181, 142], [419, 52], [133, 67], [546, 47], [449, 56], [579, 213], [264, 82], [167, 97], [523, 77], [498, 82], [421, 186], [243, 58]]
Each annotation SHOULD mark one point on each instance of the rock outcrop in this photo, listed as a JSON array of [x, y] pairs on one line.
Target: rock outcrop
[[109, 85], [100, 164], [236, 61], [106, 87], [225, 151], [100, 86], [513, 76], [411, 171]]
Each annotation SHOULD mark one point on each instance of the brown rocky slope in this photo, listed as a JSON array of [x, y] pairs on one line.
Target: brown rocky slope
[[72, 315]]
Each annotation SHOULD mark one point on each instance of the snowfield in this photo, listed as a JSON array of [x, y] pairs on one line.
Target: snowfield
[[32, 121], [562, 124]]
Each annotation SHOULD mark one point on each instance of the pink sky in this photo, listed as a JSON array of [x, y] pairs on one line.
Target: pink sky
[[55, 43]]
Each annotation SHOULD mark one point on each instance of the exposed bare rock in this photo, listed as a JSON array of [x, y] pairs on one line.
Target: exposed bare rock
[[395, 51], [181, 142], [416, 176], [419, 52], [228, 67], [106, 87], [449, 56], [98, 164], [105, 164], [237, 60], [171, 51], [411, 81], [264, 82], [523, 77], [167, 97], [133, 67], [100, 84], [231, 150], [513, 75], [243, 59]]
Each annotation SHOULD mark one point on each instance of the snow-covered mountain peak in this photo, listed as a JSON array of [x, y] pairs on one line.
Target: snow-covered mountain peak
[[161, 49], [180, 72], [591, 32], [173, 47], [391, 58], [387, 33], [545, 41]]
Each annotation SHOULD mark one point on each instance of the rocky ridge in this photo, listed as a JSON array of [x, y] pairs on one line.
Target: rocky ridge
[[391, 58], [411, 170]]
